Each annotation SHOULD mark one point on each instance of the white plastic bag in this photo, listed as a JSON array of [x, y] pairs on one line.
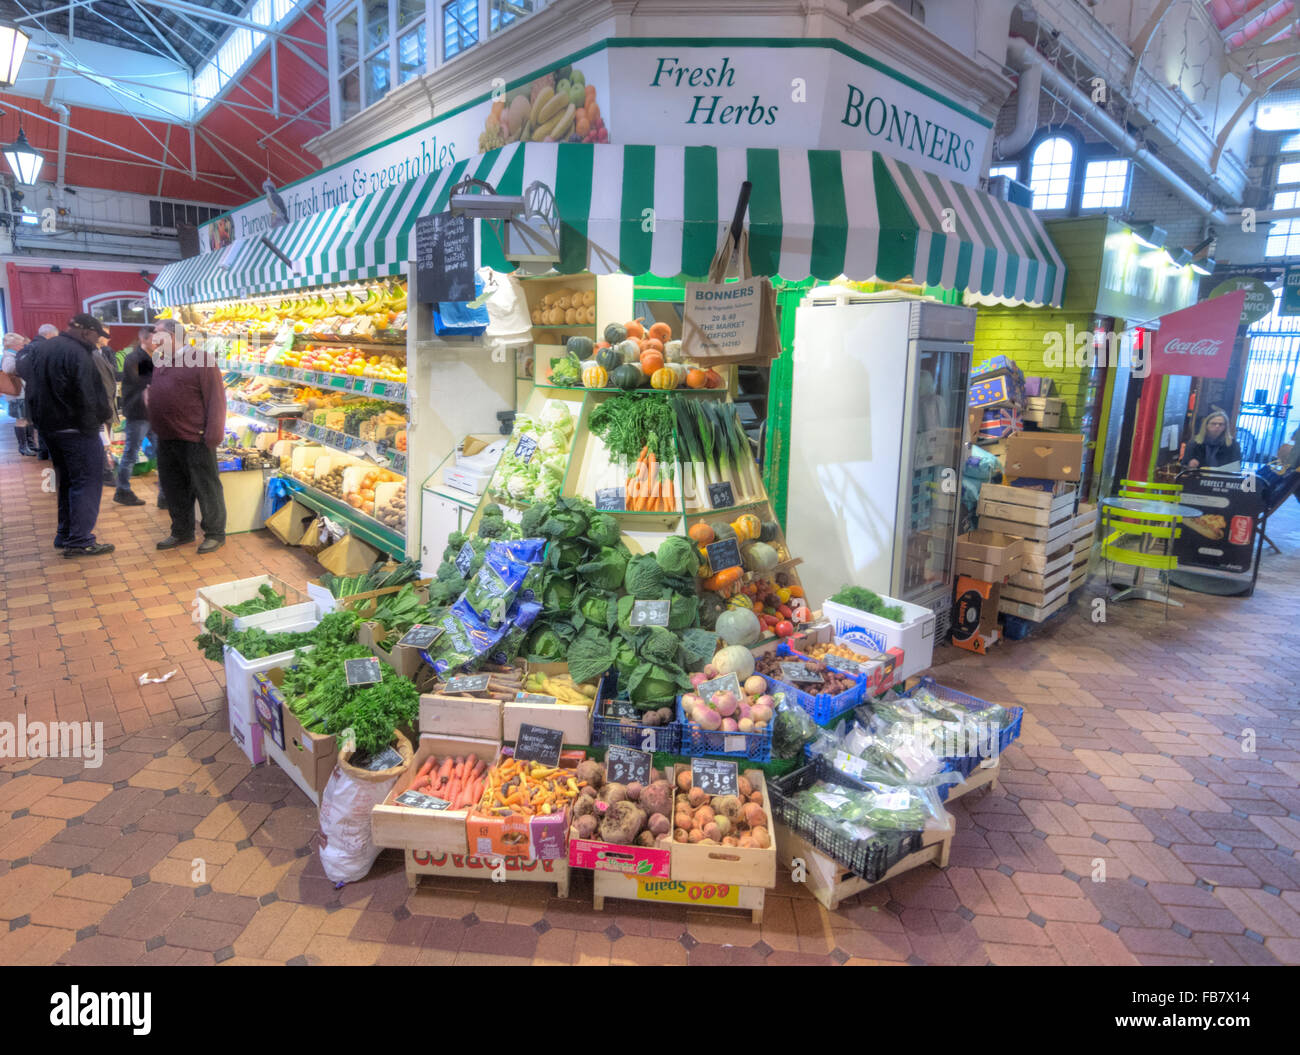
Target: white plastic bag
[[347, 852]]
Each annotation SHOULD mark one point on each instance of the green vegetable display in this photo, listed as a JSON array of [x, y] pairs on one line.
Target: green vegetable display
[[865, 600], [884, 808], [336, 629], [377, 578], [267, 600]]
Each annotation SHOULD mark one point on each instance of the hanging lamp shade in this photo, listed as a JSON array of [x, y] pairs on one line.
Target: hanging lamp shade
[[24, 159], [13, 46]]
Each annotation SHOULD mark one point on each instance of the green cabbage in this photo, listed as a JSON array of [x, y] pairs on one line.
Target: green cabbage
[[603, 530], [685, 611], [659, 646], [605, 570], [545, 645], [591, 654], [596, 609], [557, 594], [677, 556], [644, 578]]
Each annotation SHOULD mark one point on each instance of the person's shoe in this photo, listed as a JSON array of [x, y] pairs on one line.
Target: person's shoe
[[210, 544], [128, 498], [43, 454], [110, 478], [171, 542], [97, 550], [25, 448], [60, 545]]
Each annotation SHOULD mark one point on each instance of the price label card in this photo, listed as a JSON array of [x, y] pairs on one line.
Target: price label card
[[465, 560], [895, 800], [723, 554], [525, 449], [611, 499], [798, 672], [621, 709], [714, 776], [421, 636], [386, 759], [467, 683], [650, 613], [536, 743], [849, 666], [850, 764], [624, 765], [726, 683], [338, 382], [363, 671], [721, 495], [831, 799], [533, 697], [421, 801]]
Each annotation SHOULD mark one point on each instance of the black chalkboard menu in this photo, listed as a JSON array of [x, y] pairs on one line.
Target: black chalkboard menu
[[444, 258]]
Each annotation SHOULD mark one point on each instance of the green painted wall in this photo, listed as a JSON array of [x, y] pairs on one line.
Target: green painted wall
[[1018, 333]]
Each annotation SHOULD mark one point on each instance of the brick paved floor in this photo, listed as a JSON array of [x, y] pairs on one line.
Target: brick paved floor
[[1131, 758]]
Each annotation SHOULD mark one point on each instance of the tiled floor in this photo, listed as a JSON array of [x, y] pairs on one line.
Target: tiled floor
[[175, 851]]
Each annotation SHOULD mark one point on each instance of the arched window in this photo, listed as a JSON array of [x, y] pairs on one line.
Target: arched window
[[1051, 170], [122, 309]]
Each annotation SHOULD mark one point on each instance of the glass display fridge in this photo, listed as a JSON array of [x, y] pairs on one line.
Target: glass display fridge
[[877, 444]]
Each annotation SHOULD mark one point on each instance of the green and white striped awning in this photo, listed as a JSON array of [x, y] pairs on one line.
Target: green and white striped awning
[[663, 211]]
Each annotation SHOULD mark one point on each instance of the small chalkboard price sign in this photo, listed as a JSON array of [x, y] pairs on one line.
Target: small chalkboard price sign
[[624, 765], [650, 613], [714, 776], [421, 801], [848, 666], [363, 671], [467, 683], [421, 636], [798, 672], [539, 744], [621, 709], [725, 553], [611, 499], [721, 495], [533, 697], [386, 759], [726, 683], [444, 258]]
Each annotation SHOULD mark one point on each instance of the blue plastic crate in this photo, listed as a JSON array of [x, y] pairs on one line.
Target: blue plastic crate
[[623, 732], [967, 764], [822, 708], [697, 741]]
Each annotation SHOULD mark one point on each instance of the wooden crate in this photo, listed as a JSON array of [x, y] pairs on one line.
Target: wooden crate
[[574, 722], [676, 891], [729, 865], [496, 870], [1034, 613], [1028, 505], [829, 881], [1050, 535], [1045, 557], [1047, 572], [460, 716], [1036, 598], [984, 776]]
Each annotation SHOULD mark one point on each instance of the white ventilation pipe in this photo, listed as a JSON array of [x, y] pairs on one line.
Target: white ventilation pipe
[[1027, 92], [1021, 55]]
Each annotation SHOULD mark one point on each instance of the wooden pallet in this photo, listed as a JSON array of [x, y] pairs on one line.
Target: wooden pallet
[[828, 880], [1031, 612], [492, 869], [675, 891]]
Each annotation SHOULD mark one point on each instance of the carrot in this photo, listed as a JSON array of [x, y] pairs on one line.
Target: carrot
[[444, 772], [479, 767], [427, 768], [471, 763]]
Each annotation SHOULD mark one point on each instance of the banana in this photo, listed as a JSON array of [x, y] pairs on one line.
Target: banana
[[563, 124], [542, 131], [553, 108], [543, 97]]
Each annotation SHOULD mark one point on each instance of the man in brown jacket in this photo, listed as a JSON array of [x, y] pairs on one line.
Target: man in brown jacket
[[187, 409]]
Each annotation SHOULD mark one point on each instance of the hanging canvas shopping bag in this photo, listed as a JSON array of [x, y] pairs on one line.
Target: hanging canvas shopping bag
[[730, 322]]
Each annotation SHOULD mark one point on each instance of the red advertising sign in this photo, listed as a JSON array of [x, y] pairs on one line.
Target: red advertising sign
[[1197, 341]]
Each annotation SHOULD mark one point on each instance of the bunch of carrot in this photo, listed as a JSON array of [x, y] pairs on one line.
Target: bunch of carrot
[[528, 789], [650, 488], [458, 780]]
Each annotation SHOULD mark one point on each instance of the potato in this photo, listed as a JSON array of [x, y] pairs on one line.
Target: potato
[[684, 780], [585, 826], [666, 715], [747, 841], [683, 820], [591, 772], [634, 790], [756, 798], [697, 797], [622, 822], [613, 793]]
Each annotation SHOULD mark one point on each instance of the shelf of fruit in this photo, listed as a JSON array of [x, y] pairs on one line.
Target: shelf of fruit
[[629, 357], [387, 537], [393, 391], [373, 312], [342, 442]]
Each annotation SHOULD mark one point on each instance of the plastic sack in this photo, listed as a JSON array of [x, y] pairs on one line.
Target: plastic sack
[[277, 493], [347, 849], [455, 319]]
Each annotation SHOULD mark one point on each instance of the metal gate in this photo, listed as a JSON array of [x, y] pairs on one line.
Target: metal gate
[[1272, 364]]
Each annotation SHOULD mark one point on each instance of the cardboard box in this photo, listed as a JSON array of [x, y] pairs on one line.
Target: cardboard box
[[496, 869], [465, 479], [611, 857], [994, 392], [246, 734], [974, 419], [543, 838], [460, 716], [433, 831], [403, 658], [348, 556], [290, 521], [1044, 412], [988, 555], [1038, 387], [1050, 456], [677, 892], [975, 614]]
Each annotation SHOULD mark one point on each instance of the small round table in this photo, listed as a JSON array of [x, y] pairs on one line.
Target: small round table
[[1145, 505]]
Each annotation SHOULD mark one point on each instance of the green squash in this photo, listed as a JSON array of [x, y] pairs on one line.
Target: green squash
[[627, 377], [582, 347], [771, 529], [614, 333], [723, 530], [760, 557], [609, 358]]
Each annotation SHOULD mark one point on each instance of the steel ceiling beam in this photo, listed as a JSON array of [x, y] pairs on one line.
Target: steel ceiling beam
[[153, 27], [237, 170], [182, 7]]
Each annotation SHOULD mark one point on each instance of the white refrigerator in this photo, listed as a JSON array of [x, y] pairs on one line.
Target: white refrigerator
[[877, 444]]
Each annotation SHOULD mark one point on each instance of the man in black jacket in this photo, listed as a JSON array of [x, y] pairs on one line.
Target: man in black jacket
[[137, 371], [69, 404]]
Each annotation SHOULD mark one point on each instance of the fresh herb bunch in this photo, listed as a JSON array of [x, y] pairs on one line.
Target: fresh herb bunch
[[315, 689], [335, 630], [868, 601], [267, 600], [377, 578]]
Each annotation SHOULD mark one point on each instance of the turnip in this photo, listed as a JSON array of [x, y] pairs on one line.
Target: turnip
[[744, 709], [765, 701], [710, 672], [745, 725], [698, 679], [761, 713], [724, 703], [690, 701], [756, 685], [710, 719], [730, 725]]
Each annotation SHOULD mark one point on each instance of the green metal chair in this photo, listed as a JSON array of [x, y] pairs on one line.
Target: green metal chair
[[1120, 526], [1150, 491]]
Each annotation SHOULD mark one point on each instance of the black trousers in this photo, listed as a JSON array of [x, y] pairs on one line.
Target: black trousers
[[78, 459], [188, 471]]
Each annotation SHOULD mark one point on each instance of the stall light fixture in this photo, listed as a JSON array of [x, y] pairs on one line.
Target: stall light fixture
[[13, 46], [1180, 257], [1149, 235], [24, 159], [1203, 267]]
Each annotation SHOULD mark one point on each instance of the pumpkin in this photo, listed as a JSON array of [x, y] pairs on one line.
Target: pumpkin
[[627, 377], [770, 531], [673, 351], [679, 371], [725, 531], [634, 329], [628, 350], [661, 331], [662, 378], [582, 347], [702, 533], [615, 333], [735, 659], [609, 358], [595, 376], [651, 362], [651, 342], [695, 378], [747, 526]]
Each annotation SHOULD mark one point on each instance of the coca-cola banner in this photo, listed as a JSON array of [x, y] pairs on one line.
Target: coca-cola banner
[[1197, 341]]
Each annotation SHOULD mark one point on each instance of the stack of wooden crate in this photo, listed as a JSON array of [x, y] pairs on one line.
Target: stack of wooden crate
[[1047, 523]]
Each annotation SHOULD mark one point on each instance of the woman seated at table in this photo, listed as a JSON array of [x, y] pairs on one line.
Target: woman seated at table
[[1214, 445]]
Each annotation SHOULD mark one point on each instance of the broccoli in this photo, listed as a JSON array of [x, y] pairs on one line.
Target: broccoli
[[493, 526], [492, 510], [455, 541], [448, 572]]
